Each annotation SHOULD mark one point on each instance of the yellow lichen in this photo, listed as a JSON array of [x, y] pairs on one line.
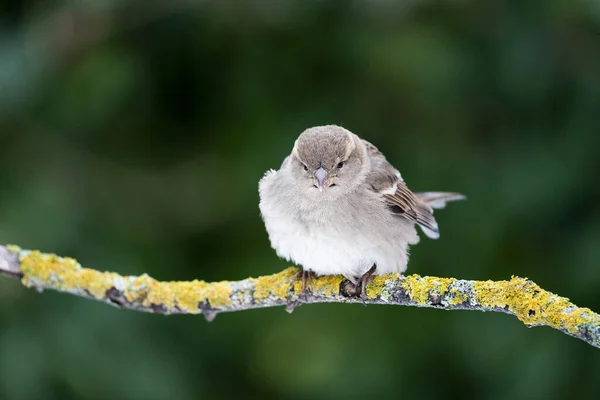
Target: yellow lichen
[[218, 294], [13, 248], [321, 284], [138, 287], [533, 305], [187, 296], [457, 297], [64, 274], [327, 285], [376, 287], [238, 297], [420, 288], [275, 285]]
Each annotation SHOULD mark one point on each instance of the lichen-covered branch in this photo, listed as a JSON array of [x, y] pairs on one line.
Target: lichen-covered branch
[[520, 297]]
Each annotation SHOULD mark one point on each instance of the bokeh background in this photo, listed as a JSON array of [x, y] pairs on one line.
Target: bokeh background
[[133, 135]]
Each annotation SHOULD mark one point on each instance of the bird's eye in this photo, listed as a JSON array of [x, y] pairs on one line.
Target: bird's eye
[[340, 165], [305, 167]]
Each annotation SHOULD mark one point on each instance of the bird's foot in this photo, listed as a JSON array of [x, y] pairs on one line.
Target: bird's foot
[[305, 275], [349, 288], [362, 282]]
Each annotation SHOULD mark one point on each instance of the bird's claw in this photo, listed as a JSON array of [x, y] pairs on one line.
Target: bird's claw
[[305, 275], [367, 277]]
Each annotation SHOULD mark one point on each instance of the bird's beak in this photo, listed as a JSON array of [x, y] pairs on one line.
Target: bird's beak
[[322, 177]]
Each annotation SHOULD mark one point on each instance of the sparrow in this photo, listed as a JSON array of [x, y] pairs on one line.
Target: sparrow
[[336, 206]]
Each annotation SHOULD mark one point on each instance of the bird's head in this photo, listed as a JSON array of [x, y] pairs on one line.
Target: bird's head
[[328, 160]]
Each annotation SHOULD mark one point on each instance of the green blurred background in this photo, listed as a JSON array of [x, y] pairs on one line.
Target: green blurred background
[[133, 135]]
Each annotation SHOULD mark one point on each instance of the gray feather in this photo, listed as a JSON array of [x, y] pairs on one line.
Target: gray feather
[[438, 200]]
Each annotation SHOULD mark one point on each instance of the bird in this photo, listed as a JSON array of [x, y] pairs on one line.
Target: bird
[[336, 206]]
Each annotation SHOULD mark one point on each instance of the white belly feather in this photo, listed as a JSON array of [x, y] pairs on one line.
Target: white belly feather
[[347, 248]]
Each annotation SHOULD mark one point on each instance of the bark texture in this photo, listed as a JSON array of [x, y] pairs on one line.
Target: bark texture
[[520, 297]]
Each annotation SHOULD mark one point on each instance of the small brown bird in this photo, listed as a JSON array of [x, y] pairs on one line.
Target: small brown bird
[[337, 206]]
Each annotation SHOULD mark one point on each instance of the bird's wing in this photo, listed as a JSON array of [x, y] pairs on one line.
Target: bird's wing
[[386, 180]]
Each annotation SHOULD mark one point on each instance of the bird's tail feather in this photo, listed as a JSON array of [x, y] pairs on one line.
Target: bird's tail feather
[[435, 200], [438, 200]]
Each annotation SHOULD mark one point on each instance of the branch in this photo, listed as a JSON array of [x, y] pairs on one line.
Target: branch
[[519, 297]]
